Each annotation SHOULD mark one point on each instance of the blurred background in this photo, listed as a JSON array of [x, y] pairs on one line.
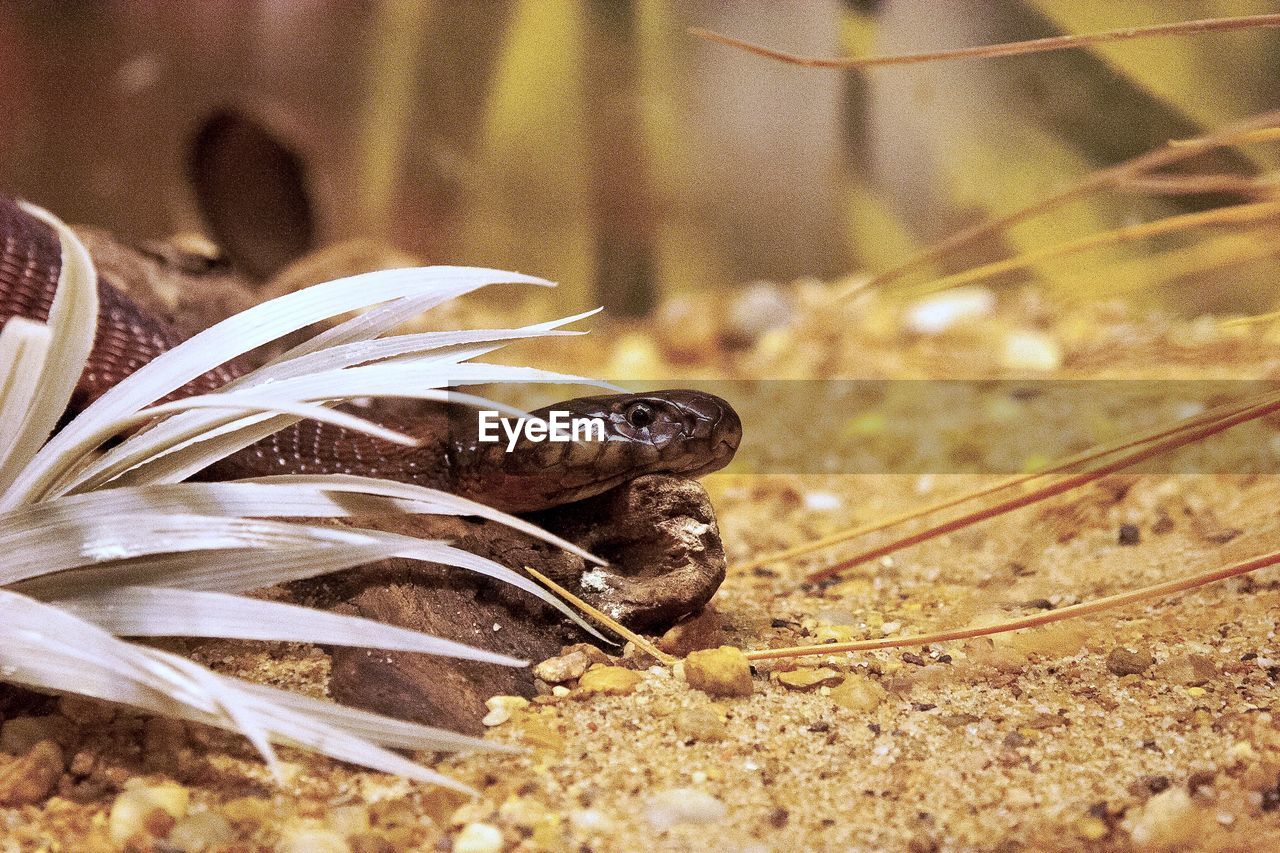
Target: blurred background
[[595, 142]]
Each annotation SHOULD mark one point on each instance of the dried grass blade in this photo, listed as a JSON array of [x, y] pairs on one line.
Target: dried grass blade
[[1073, 611], [1070, 41]]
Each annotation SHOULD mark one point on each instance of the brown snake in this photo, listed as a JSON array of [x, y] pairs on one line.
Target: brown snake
[[688, 433]]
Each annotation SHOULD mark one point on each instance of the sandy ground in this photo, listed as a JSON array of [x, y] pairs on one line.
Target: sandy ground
[[1044, 740]]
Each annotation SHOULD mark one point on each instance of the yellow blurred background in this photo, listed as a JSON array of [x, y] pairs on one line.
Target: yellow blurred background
[[599, 144]]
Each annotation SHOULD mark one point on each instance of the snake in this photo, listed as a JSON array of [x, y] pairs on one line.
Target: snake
[[681, 432]]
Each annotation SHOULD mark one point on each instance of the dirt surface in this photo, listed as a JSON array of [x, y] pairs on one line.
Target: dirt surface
[[1151, 728]]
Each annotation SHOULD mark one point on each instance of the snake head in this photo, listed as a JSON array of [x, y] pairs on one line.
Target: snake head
[[681, 432], [690, 433]]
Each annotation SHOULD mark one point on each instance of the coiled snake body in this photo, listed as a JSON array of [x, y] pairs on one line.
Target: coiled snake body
[[677, 432]]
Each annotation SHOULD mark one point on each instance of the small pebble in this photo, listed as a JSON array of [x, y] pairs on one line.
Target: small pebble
[[609, 681], [822, 501], [541, 736], [1168, 820], [1191, 670], [21, 733], [522, 812], [478, 838], [720, 672], [368, 842], [674, 806], [634, 355], [562, 668], [1060, 640], [1047, 721], [202, 831], [312, 841], [702, 631], [937, 314], [1122, 661], [252, 812], [808, 678], [593, 653], [1091, 828], [501, 708], [758, 308], [137, 807], [1019, 798], [590, 820], [349, 820], [700, 724], [687, 325], [858, 693], [1030, 350], [31, 777]]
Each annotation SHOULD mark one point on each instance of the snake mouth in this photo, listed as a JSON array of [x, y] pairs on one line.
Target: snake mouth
[[721, 455]]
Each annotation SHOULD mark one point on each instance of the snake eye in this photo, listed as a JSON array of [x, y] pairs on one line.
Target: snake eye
[[639, 415]]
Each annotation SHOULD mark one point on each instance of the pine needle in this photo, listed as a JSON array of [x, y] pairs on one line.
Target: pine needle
[[1160, 268], [1234, 214], [1262, 405], [1266, 134], [1071, 612], [1166, 155], [1249, 321], [1017, 48], [603, 618], [1058, 466], [1175, 185]]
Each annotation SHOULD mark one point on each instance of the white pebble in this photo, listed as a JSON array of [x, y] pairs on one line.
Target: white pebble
[[1169, 819], [135, 804], [936, 314], [496, 717], [822, 501], [478, 838], [313, 841], [201, 831], [589, 820], [509, 703], [1030, 350]]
